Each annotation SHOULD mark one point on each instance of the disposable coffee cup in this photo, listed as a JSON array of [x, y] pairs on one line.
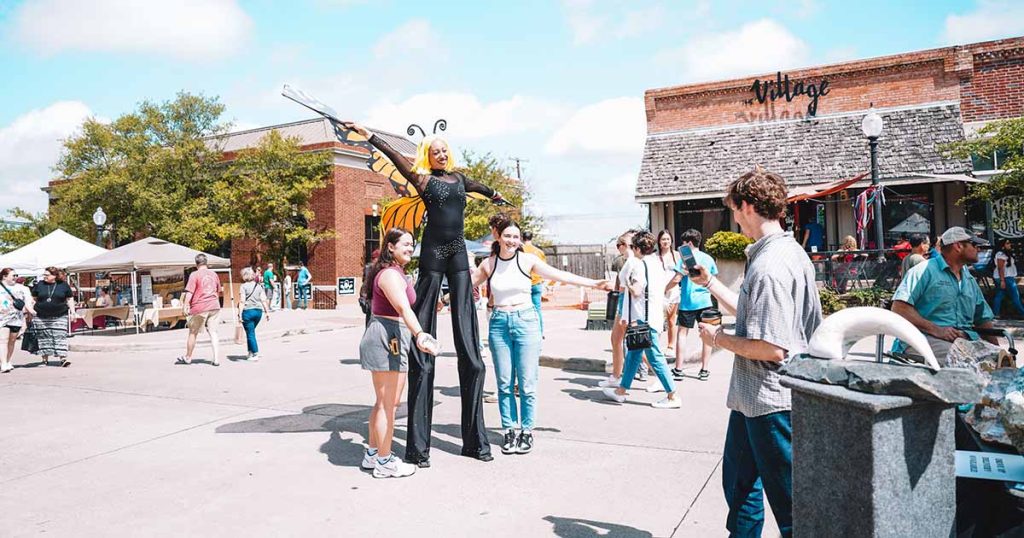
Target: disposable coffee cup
[[431, 345], [711, 316]]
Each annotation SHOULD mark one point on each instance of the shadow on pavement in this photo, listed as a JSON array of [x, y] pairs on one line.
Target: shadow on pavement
[[598, 397], [349, 361], [585, 528]]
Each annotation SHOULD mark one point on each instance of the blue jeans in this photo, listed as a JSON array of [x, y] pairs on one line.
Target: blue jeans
[[514, 339], [304, 290], [634, 358], [536, 291], [1012, 291], [758, 457], [250, 319]]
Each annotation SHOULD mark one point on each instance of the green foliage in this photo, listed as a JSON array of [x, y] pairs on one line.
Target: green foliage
[[23, 228], [1006, 136], [265, 195], [727, 246], [866, 297], [830, 302], [486, 169]]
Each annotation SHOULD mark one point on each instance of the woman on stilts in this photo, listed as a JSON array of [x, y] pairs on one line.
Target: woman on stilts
[[443, 253]]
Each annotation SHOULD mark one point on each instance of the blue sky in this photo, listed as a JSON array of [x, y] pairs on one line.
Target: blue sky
[[556, 83]]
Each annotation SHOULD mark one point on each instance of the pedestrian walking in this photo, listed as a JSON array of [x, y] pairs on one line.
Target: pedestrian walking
[[304, 280], [201, 306], [624, 244], [777, 309], [645, 286], [669, 259], [384, 349], [694, 301], [1006, 278], [514, 334], [54, 303], [15, 304], [252, 306]]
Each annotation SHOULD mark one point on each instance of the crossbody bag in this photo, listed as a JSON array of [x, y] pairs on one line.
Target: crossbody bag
[[638, 335], [19, 304]]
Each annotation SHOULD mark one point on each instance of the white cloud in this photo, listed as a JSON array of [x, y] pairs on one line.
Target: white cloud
[[416, 38], [590, 20], [992, 19], [29, 147], [467, 116], [617, 126], [187, 29], [756, 47]]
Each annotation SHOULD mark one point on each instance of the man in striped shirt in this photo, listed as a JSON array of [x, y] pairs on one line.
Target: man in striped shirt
[[777, 310]]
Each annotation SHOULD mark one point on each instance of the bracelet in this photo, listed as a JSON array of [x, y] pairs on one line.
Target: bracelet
[[711, 281], [714, 340]]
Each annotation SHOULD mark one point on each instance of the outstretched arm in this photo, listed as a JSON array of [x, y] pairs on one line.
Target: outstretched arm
[[480, 188], [396, 158], [546, 271]]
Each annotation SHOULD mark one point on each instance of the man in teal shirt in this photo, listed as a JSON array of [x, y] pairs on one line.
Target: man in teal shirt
[[303, 281], [693, 300], [941, 297]]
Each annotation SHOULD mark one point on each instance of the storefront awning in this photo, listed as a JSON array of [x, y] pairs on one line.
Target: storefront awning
[[807, 192]]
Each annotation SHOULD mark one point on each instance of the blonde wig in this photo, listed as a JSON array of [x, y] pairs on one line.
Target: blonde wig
[[422, 163]]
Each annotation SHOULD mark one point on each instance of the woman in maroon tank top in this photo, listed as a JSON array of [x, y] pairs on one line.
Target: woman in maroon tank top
[[384, 349]]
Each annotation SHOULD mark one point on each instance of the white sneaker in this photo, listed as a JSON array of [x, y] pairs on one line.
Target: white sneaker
[[609, 392], [6, 368], [612, 381], [667, 404], [655, 386], [393, 468], [369, 462], [254, 357]]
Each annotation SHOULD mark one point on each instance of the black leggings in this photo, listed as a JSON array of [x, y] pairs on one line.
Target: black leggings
[[471, 366]]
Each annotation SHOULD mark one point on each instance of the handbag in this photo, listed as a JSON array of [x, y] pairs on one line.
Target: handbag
[[638, 335], [29, 341], [19, 304]]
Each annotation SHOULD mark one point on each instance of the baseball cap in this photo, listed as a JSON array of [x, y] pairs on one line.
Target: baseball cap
[[957, 234]]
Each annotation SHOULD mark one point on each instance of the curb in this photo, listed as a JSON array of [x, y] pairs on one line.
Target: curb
[[92, 347]]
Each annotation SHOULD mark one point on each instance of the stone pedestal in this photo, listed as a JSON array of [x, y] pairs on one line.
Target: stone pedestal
[[870, 465]]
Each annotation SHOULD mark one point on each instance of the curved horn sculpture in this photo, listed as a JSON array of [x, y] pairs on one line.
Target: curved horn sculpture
[[837, 334], [411, 130], [440, 124]]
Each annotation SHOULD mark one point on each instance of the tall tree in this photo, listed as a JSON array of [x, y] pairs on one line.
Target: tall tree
[[23, 228], [266, 192], [486, 169], [1004, 138]]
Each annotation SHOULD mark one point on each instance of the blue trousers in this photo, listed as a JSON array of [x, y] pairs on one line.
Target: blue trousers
[[250, 319], [536, 291], [1012, 291], [514, 339], [634, 358], [758, 459]]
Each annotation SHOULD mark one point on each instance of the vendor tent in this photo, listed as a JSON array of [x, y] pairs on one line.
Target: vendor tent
[[57, 249], [144, 255]]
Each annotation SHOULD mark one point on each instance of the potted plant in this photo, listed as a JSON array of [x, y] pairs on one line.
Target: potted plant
[[729, 251]]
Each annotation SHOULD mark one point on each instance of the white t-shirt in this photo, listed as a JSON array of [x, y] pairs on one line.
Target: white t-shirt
[[8, 314], [1011, 270], [633, 271]]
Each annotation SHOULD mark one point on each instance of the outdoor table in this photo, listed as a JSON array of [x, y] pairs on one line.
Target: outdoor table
[[89, 315], [156, 316]]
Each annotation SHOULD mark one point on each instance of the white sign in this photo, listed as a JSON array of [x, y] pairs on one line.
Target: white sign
[[1006, 217], [346, 285], [990, 466]]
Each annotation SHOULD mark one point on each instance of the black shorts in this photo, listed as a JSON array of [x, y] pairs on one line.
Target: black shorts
[[689, 318]]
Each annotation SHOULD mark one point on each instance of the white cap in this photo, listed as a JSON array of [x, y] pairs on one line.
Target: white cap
[[957, 234]]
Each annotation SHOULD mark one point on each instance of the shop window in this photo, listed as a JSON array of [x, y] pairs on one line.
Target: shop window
[[371, 231], [706, 216], [989, 162], [908, 209]]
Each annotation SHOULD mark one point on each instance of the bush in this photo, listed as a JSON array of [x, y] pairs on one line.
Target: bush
[[830, 303], [866, 297], [727, 246]]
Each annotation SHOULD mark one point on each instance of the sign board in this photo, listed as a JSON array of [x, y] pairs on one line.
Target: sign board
[[147, 289], [346, 285], [990, 466], [102, 282], [784, 88], [1006, 217]]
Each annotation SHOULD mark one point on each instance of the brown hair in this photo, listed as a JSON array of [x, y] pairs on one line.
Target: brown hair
[[57, 273], [644, 242], [6, 271], [385, 260], [764, 190]]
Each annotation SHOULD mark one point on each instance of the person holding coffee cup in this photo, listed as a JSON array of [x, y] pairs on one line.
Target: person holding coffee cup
[[777, 309], [694, 300]]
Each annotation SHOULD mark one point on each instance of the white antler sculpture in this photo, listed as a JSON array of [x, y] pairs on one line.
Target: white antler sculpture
[[837, 334]]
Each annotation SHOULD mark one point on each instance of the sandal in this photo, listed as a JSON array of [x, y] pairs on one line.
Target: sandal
[[182, 360], [64, 363]]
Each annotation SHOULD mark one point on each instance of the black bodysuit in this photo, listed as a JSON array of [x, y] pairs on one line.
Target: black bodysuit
[[443, 254]]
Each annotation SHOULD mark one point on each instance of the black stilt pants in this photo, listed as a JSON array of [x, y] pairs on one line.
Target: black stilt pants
[[471, 366]]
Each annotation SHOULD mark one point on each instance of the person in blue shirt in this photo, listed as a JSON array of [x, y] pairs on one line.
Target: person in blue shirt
[[303, 282], [941, 297], [814, 236], [693, 300]]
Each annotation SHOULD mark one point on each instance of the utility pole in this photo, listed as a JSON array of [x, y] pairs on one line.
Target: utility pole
[[519, 172]]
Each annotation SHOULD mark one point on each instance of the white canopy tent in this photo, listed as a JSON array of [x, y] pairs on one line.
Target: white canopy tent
[[150, 254], [57, 249]]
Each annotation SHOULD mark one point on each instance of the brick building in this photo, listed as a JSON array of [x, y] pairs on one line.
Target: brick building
[[805, 125], [348, 204]]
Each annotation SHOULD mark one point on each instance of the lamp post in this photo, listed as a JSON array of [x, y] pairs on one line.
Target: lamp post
[[99, 218], [871, 126]]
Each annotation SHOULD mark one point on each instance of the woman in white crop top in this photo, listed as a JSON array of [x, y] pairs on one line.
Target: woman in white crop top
[[514, 329]]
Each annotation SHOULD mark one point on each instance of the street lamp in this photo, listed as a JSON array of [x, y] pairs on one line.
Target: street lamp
[[872, 128], [99, 218]]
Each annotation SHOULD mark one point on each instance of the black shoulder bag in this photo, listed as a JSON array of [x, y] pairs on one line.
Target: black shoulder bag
[[19, 304], [638, 336]]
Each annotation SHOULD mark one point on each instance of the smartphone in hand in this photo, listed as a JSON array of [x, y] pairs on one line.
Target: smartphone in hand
[[689, 261]]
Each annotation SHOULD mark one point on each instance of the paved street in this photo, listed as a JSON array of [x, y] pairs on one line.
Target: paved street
[[125, 442]]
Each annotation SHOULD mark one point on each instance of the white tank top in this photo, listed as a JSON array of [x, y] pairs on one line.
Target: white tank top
[[509, 285]]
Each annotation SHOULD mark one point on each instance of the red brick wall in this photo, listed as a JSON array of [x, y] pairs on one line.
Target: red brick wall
[[986, 76], [996, 89]]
